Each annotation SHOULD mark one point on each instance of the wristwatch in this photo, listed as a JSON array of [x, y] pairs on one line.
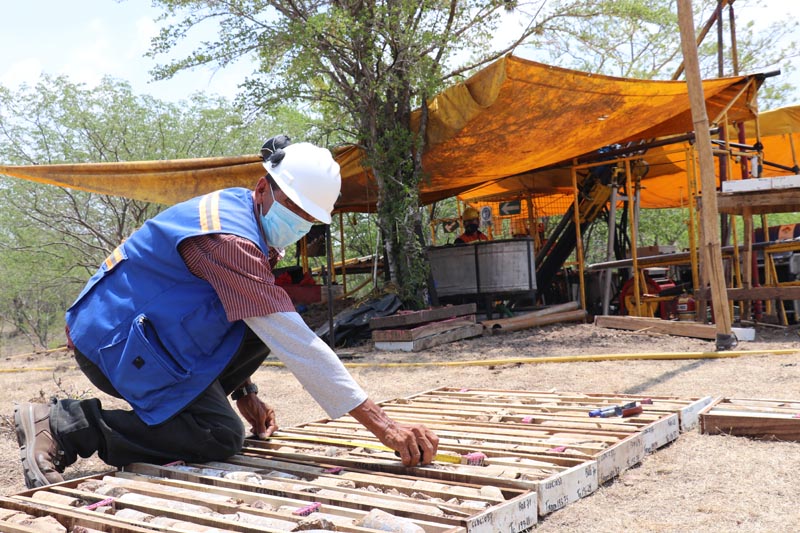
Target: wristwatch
[[239, 393]]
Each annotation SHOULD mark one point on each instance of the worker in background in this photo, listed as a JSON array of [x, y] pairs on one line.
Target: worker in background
[[519, 228], [182, 314], [471, 221]]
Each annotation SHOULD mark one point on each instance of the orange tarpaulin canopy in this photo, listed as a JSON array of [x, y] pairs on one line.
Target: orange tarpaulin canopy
[[517, 116], [665, 184], [513, 117], [164, 182]]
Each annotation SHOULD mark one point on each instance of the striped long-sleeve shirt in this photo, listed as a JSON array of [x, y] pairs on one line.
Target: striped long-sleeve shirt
[[242, 278]]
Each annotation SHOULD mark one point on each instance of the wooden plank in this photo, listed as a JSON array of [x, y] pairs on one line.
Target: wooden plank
[[660, 433], [451, 443], [416, 345], [71, 517], [787, 292], [459, 474], [426, 330], [758, 419], [765, 426], [140, 490], [507, 462], [760, 202], [689, 416], [761, 404], [620, 457], [550, 310], [365, 478], [519, 514], [657, 326], [761, 184], [526, 322], [346, 504], [567, 487], [410, 318], [341, 499]]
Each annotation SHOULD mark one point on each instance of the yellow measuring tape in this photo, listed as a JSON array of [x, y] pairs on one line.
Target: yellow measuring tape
[[442, 457]]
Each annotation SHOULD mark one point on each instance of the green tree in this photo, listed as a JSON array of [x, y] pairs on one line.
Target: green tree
[[639, 39], [53, 238], [361, 67]]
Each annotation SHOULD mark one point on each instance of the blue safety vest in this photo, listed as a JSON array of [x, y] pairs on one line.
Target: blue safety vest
[[158, 332]]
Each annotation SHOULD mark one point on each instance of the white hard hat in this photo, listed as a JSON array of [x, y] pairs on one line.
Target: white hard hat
[[310, 177]]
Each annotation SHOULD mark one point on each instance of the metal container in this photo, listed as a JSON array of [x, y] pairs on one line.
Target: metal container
[[484, 267]]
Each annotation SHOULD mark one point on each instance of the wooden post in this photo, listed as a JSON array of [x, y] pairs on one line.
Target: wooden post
[[691, 183], [747, 261], [344, 255], [578, 237], [711, 245], [303, 249], [706, 27], [633, 226]]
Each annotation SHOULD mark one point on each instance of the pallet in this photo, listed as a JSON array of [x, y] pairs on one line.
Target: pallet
[[543, 452], [419, 330], [427, 336], [415, 318], [757, 419], [539, 441], [247, 495]]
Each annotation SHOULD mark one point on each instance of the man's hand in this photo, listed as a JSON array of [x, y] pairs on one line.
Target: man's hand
[[415, 443], [260, 415]]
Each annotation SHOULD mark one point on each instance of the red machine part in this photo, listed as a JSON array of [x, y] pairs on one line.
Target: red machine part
[[654, 286]]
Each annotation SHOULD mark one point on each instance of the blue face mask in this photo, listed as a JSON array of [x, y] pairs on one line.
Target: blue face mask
[[281, 226]]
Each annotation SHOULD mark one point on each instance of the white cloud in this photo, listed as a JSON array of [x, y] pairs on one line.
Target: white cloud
[[145, 30], [23, 71]]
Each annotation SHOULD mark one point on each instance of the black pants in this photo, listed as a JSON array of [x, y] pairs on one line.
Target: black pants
[[208, 429]]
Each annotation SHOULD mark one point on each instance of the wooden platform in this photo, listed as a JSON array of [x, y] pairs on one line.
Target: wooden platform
[[758, 419], [759, 196], [543, 452]]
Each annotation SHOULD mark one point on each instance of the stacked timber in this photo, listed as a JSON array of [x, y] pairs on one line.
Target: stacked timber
[[554, 314], [413, 331]]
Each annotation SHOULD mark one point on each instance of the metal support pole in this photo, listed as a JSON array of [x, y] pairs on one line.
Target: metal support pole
[[612, 225], [578, 237]]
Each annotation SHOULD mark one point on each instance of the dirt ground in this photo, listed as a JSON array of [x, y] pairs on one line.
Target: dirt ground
[[699, 483]]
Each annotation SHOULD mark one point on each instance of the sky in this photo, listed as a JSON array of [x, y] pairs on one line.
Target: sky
[[88, 39]]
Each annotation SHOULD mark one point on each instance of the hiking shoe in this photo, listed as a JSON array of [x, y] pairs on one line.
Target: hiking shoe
[[38, 450]]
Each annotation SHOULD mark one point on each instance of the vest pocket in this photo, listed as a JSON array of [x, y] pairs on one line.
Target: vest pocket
[[207, 326], [145, 366]]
